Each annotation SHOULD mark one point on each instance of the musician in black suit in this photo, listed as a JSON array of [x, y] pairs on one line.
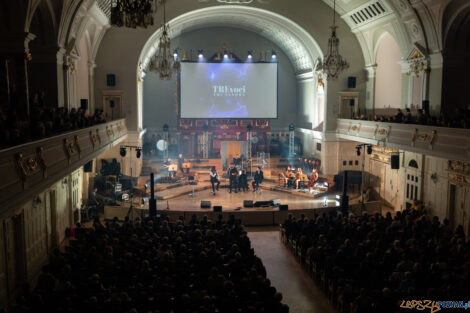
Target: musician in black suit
[[242, 181], [180, 162], [257, 179], [233, 176], [237, 160]]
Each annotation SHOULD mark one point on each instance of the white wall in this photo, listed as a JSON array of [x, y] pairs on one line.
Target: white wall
[[388, 74]]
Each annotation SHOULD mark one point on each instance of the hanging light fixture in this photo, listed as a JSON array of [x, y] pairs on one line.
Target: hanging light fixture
[[132, 13], [164, 61], [333, 63]]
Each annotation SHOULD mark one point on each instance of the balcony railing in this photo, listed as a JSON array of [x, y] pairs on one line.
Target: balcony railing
[[28, 169], [448, 143]]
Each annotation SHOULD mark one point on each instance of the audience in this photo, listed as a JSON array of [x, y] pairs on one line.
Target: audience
[[424, 118], [370, 263], [155, 266], [43, 122]]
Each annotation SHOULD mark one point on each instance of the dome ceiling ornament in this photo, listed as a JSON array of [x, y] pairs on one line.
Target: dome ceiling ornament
[[333, 63]]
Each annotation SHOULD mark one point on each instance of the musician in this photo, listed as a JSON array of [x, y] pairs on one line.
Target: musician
[[313, 179], [288, 175], [214, 175], [233, 177], [166, 165], [180, 162], [242, 181], [298, 177], [237, 160], [257, 179]]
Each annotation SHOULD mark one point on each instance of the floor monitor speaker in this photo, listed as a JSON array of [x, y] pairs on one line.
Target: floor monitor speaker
[[248, 203], [283, 207], [206, 204], [261, 204]]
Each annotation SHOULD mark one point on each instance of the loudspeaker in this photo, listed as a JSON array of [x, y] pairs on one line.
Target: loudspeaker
[[248, 203], [260, 204], [206, 204], [88, 167], [352, 82], [276, 202], [395, 161], [84, 104], [217, 208], [111, 80], [425, 106], [111, 103], [283, 207], [351, 102]]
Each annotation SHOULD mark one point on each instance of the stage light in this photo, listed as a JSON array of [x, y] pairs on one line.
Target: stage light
[[358, 150], [225, 55], [250, 55], [369, 149], [122, 152], [274, 56], [175, 54], [138, 153], [200, 54]]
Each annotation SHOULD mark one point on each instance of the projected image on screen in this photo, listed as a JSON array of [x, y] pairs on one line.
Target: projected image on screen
[[228, 90]]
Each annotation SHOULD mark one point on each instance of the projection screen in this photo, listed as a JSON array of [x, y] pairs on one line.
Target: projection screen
[[228, 90]]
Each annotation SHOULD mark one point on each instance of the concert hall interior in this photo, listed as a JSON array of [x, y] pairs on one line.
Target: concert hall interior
[[234, 155]]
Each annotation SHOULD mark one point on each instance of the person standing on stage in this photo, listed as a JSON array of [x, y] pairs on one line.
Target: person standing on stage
[[257, 179], [233, 176], [242, 181], [180, 162], [237, 160], [214, 179]]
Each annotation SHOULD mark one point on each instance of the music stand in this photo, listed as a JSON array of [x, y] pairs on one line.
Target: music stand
[[193, 183]]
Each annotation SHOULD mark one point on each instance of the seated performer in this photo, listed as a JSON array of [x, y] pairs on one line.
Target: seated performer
[[313, 179], [233, 177], [288, 176], [242, 181], [257, 179], [298, 177], [214, 175]]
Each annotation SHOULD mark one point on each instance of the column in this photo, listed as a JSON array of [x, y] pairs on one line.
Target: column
[[306, 98], [91, 87], [370, 89]]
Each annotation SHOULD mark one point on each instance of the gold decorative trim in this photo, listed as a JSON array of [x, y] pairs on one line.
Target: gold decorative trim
[[459, 179], [98, 135], [413, 136], [93, 139], [433, 137], [109, 131], [70, 148], [26, 166], [77, 145]]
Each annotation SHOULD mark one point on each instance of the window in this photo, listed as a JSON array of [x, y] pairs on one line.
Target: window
[[356, 162], [350, 163], [344, 163], [413, 164]]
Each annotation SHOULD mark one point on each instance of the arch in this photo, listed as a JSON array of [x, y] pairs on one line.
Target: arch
[[388, 73], [413, 164], [300, 47]]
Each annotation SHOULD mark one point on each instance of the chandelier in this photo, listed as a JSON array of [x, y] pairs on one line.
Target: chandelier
[[165, 62], [333, 63], [132, 13]]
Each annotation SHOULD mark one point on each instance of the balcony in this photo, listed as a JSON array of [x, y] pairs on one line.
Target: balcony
[[28, 169], [443, 142]]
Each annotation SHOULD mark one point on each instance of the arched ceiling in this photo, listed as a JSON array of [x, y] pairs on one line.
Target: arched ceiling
[[298, 45]]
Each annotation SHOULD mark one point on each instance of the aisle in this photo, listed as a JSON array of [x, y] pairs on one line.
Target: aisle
[[298, 290]]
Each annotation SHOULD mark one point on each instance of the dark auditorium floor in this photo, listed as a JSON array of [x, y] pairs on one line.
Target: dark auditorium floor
[[298, 290]]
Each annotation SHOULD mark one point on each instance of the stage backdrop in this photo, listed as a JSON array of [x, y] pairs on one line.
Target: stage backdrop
[[228, 90]]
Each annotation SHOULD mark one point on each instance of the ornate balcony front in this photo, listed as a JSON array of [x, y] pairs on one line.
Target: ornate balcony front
[[28, 169], [443, 142]]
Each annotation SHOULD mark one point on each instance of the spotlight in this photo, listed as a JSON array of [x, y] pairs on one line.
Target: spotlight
[[274, 56], [369, 149], [358, 150], [225, 55], [175, 54], [138, 153], [250, 55], [200, 54], [122, 152]]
